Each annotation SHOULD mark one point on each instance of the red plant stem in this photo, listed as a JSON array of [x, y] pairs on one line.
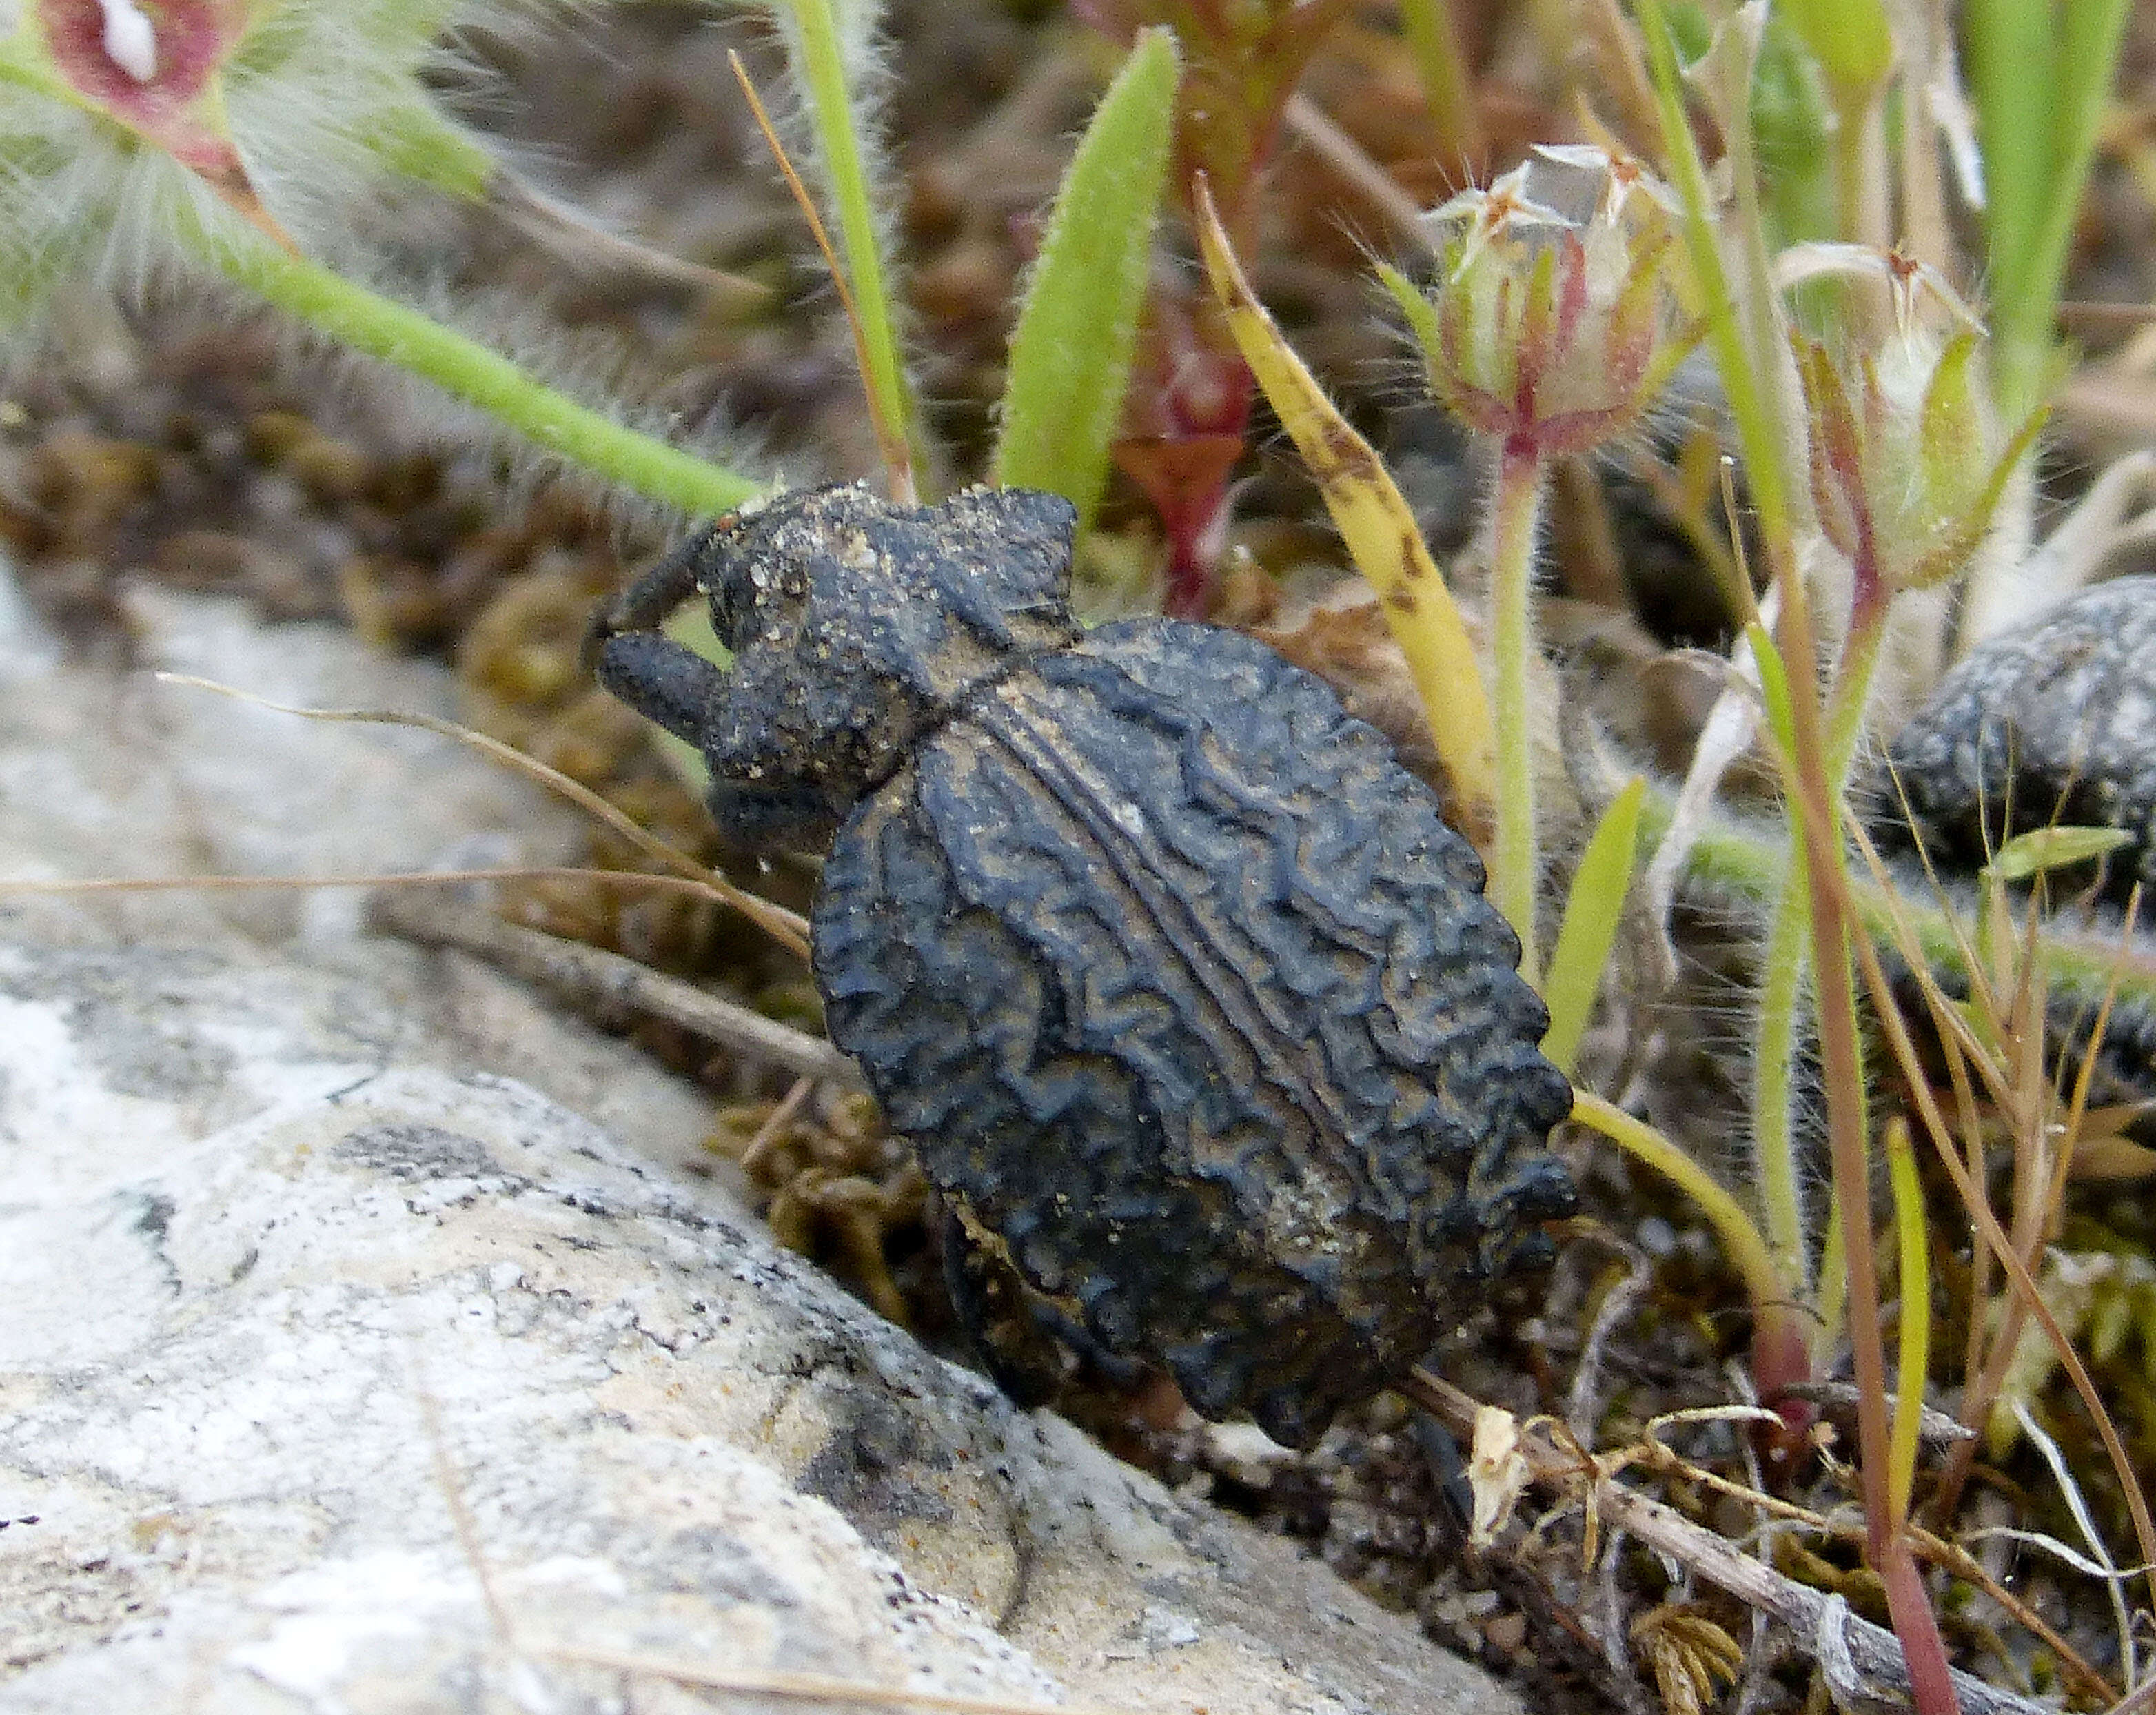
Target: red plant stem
[[1814, 802], [1782, 1360], [1909, 1606], [1781, 1337]]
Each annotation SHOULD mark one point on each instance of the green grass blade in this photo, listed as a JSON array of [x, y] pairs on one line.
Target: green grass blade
[[1746, 347], [818, 64], [2010, 61], [2040, 75], [1773, 687], [1849, 39], [1447, 86], [1078, 329], [1791, 123], [2083, 66], [1590, 929]]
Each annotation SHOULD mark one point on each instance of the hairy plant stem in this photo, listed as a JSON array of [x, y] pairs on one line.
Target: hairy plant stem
[[1744, 859], [395, 333], [1773, 1142], [1516, 511], [1778, 1322], [1814, 809], [1781, 994]]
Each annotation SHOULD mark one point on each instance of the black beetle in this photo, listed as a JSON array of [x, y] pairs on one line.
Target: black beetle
[[1187, 996]]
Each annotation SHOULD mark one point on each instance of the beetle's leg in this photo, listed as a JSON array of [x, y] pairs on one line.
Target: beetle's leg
[[648, 603], [1018, 1355], [1027, 1343], [662, 681]]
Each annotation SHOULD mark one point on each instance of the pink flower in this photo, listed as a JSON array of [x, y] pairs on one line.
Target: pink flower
[[154, 73], [1548, 333]]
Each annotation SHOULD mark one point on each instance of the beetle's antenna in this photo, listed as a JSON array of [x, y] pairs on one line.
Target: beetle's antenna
[[898, 462]]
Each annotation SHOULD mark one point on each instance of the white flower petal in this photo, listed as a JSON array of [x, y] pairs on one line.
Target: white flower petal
[[130, 39]]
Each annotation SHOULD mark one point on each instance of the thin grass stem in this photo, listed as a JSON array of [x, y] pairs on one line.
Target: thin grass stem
[[821, 67]]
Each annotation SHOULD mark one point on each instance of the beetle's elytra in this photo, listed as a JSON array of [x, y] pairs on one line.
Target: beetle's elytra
[[2054, 720], [1187, 998]]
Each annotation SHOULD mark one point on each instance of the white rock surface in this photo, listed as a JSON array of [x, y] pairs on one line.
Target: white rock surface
[[340, 1372]]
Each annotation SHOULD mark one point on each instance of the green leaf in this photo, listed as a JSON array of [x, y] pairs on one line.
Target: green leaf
[[2011, 57], [1773, 688], [1070, 356], [2040, 75], [2043, 849], [1746, 347], [1447, 81], [1589, 930], [1959, 539], [1949, 426], [1790, 121], [1914, 1339]]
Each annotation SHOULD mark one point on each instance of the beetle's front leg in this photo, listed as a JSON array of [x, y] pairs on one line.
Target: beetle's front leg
[[625, 648], [650, 601]]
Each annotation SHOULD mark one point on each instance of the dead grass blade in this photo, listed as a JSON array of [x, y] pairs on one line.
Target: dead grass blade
[[1867, 1659], [806, 1687], [611, 983], [784, 926], [385, 878], [1979, 1207], [891, 440]]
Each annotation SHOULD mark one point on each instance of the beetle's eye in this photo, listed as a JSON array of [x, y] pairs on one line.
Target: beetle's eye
[[726, 580]]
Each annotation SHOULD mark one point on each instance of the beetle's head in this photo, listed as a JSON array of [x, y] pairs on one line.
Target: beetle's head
[[856, 626]]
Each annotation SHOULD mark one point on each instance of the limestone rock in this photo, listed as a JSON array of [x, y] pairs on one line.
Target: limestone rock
[[341, 1372]]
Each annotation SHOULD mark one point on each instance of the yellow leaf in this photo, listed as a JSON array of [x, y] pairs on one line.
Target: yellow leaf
[[1381, 535]]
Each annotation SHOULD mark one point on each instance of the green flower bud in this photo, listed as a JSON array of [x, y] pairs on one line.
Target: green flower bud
[[1549, 333]]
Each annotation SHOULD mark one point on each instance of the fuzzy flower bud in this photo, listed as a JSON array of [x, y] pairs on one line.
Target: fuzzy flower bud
[[1907, 461], [152, 74], [1548, 332]]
